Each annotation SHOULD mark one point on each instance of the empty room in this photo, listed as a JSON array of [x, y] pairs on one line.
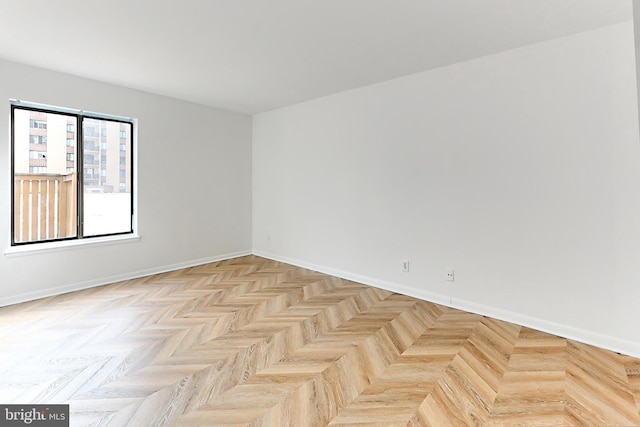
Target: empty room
[[311, 213]]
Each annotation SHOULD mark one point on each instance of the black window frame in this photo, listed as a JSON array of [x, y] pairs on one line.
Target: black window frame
[[79, 149]]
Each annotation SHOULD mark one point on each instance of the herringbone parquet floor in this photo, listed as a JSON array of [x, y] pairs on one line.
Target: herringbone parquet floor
[[251, 341]]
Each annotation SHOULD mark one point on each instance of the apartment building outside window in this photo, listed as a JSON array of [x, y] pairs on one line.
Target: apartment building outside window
[[68, 180]]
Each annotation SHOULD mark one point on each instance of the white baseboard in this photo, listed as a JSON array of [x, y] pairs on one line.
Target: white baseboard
[[577, 334], [44, 293]]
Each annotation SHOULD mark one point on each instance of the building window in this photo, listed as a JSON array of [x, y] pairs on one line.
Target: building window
[[123, 147], [54, 197], [123, 134], [38, 139], [37, 124], [33, 155], [89, 159]]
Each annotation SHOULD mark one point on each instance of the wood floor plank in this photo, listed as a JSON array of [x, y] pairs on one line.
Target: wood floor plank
[[255, 342]]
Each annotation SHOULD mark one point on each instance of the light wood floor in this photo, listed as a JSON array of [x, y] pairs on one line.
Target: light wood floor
[[255, 342]]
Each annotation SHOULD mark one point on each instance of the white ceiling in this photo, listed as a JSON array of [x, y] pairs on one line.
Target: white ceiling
[[256, 55]]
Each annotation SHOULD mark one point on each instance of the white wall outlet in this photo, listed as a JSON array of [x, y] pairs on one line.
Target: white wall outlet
[[450, 276], [405, 265]]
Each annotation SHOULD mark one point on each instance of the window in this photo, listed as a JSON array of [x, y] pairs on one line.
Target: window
[[123, 147], [37, 124], [123, 134], [59, 191], [38, 139], [90, 146], [89, 159], [34, 155]]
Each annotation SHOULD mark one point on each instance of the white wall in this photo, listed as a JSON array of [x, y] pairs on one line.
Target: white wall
[[194, 186], [521, 170]]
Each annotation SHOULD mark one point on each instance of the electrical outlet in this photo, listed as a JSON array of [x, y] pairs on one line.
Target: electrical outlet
[[450, 276], [405, 265]]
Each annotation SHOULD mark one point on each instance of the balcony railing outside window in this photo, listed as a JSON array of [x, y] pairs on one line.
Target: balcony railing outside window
[[45, 206]]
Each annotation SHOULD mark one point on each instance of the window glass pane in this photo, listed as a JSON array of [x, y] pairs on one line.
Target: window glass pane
[[107, 177], [45, 196]]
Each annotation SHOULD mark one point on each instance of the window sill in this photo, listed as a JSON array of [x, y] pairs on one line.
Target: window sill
[[39, 248]]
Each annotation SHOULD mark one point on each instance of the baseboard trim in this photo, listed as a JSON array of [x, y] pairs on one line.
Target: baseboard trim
[[49, 292], [577, 334]]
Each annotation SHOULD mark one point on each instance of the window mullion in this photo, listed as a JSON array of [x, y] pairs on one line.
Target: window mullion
[[80, 175]]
